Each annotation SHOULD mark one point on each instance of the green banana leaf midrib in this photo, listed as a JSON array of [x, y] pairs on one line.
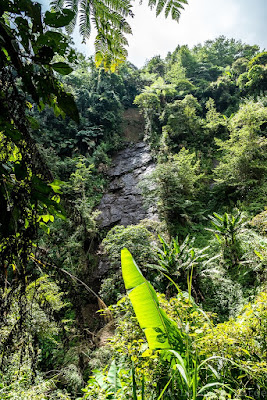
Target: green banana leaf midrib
[[129, 266]]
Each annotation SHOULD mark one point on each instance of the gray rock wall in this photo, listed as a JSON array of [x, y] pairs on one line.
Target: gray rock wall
[[122, 204]]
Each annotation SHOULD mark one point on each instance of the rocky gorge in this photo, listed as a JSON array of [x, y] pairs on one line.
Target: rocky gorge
[[122, 204]]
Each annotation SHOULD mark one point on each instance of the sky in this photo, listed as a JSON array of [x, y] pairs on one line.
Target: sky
[[201, 20]]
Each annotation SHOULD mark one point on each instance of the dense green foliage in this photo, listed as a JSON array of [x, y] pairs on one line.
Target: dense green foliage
[[61, 121], [206, 125]]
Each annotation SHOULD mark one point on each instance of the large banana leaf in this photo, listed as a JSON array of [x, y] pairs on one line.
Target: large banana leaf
[[161, 332]]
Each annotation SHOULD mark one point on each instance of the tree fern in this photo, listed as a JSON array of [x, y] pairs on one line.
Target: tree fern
[[85, 19], [109, 20], [171, 6]]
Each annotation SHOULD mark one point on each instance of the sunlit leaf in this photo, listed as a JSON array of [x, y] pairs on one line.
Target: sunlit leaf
[[62, 68], [161, 332]]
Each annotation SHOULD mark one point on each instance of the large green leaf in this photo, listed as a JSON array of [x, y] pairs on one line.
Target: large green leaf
[[67, 104], [113, 377], [161, 332], [62, 68], [57, 19]]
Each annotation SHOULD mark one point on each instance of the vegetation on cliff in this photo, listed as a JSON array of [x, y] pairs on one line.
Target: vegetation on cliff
[[205, 117]]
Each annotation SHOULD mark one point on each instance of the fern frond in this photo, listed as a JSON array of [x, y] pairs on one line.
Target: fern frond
[[152, 3], [123, 7], [161, 4], [109, 19], [168, 8], [72, 5], [85, 19], [110, 49], [171, 6], [57, 4]]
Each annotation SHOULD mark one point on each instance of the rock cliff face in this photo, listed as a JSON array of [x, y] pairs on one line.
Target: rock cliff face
[[122, 204]]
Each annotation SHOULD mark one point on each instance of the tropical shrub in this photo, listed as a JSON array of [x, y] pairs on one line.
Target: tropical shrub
[[243, 162], [138, 238], [178, 261], [242, 341], [182, 124], [176, 185]]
